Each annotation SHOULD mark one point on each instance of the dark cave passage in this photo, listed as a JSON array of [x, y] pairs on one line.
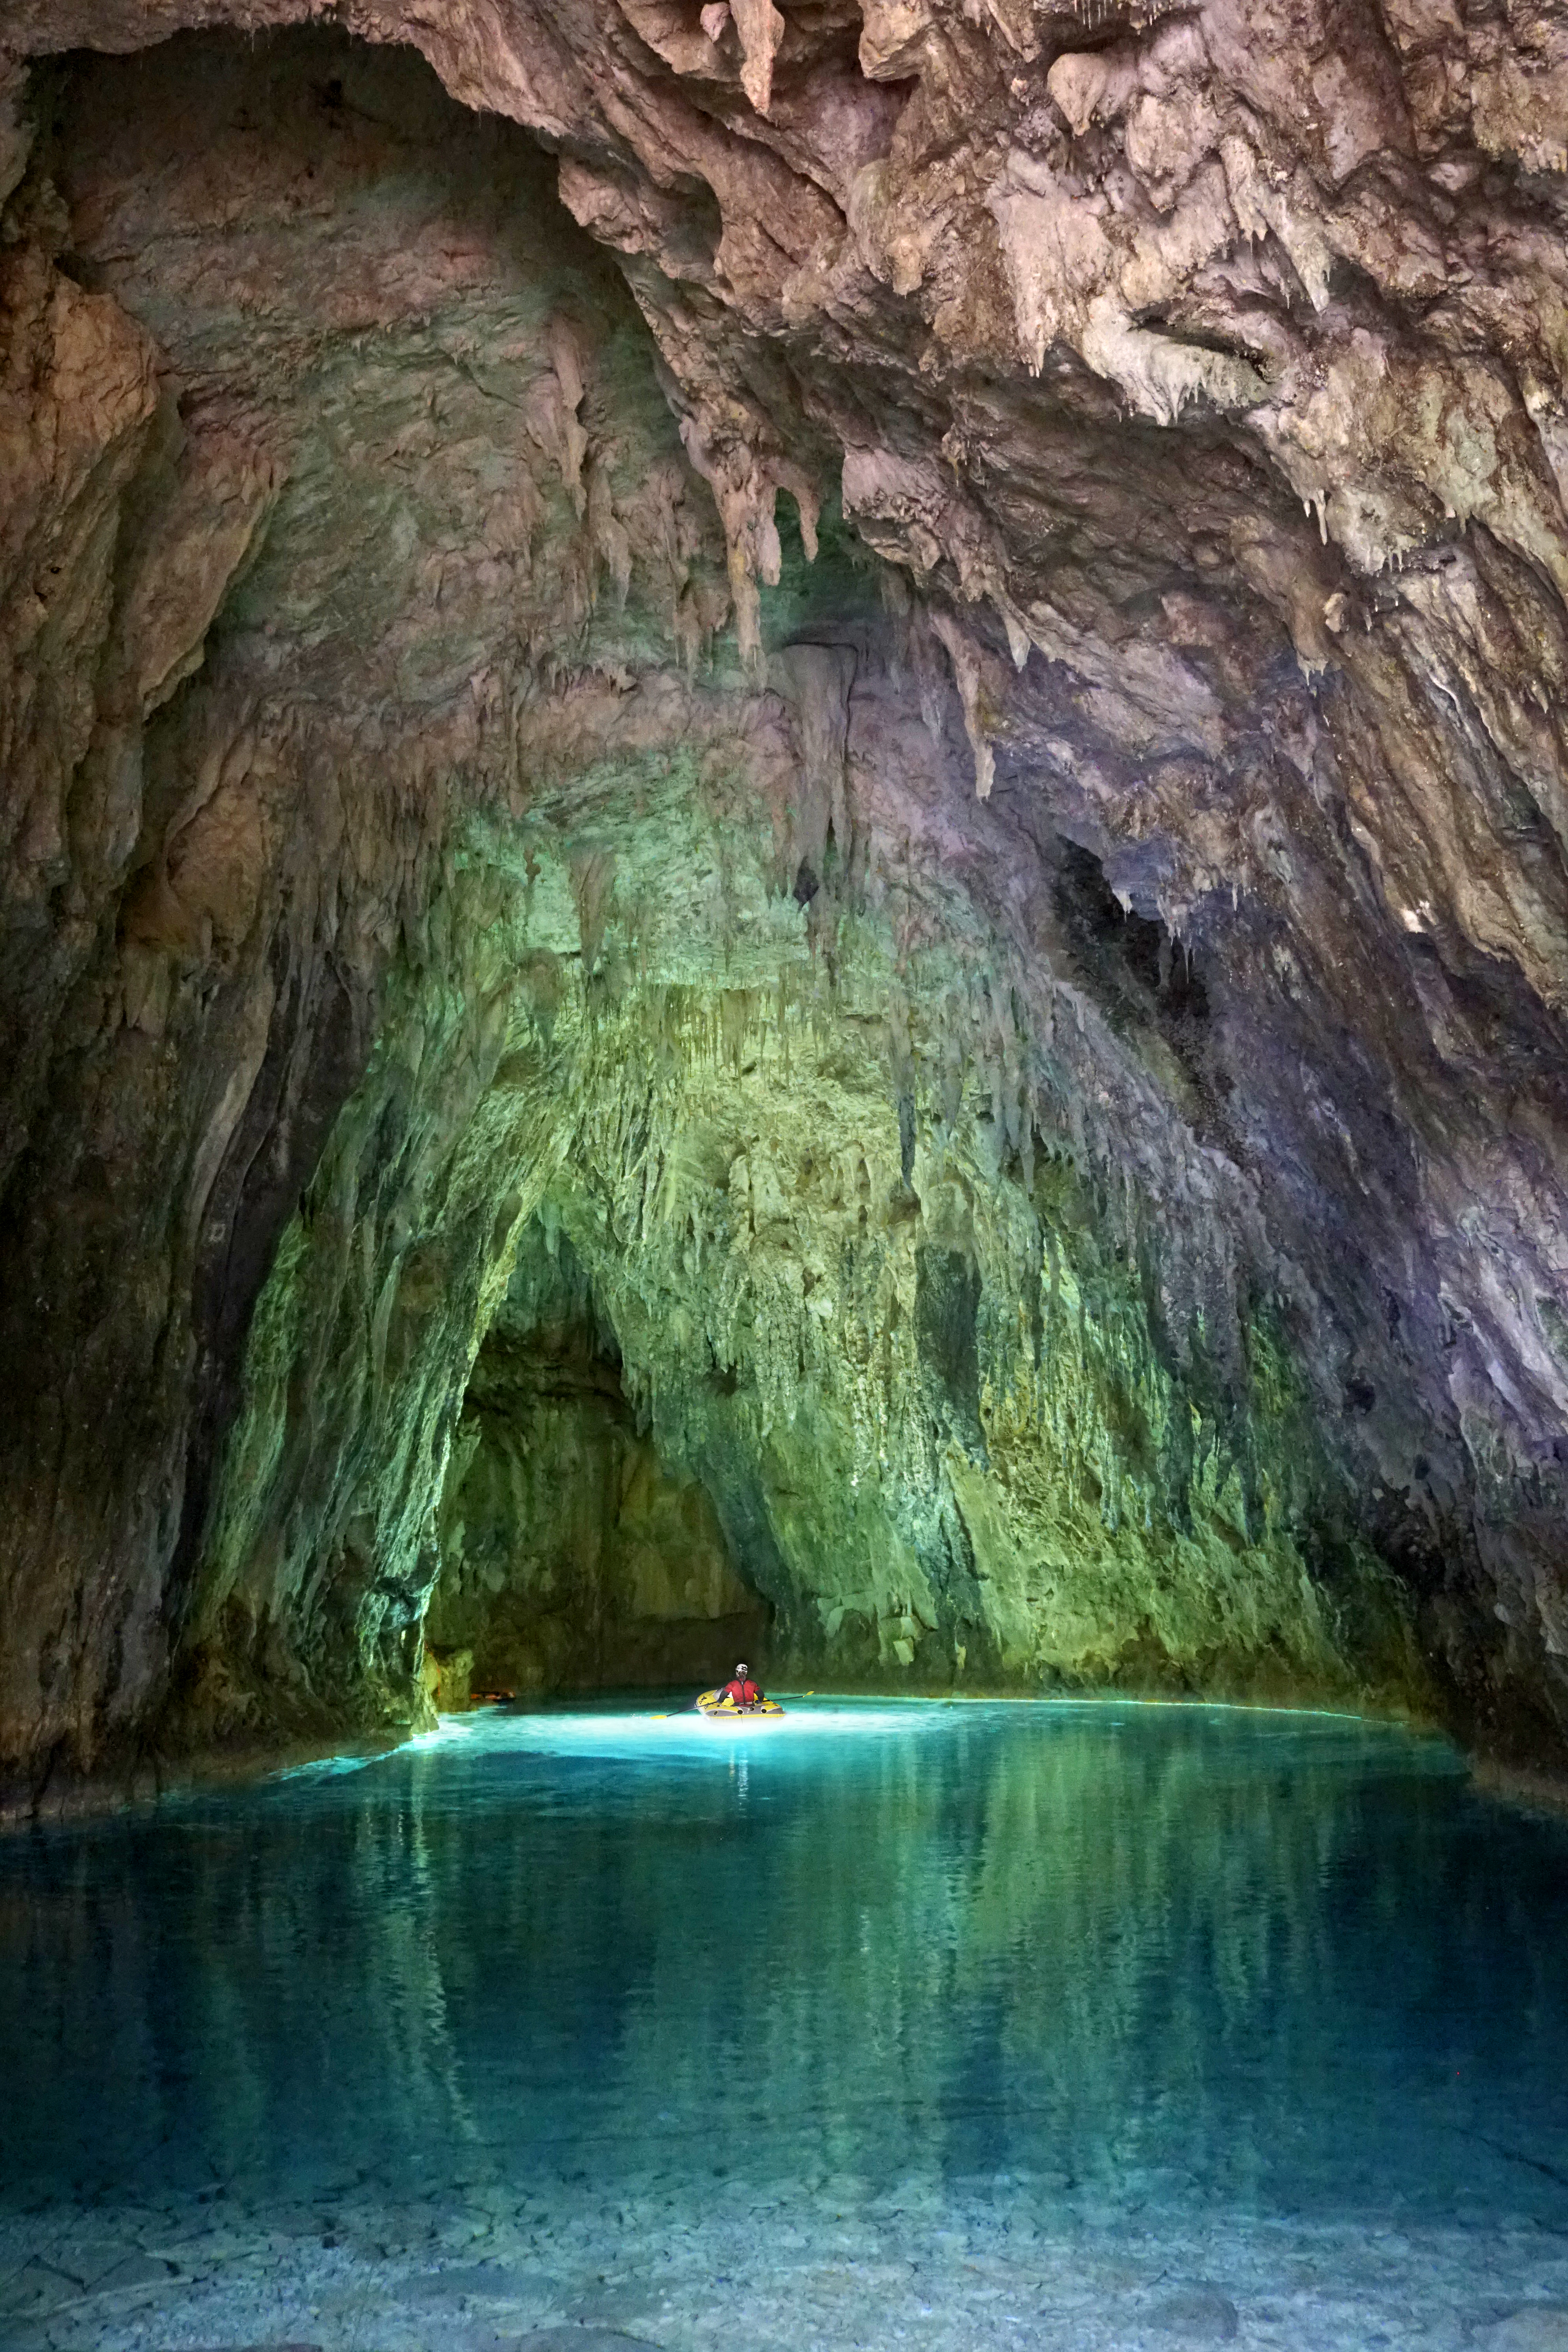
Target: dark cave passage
[[571, 1560]]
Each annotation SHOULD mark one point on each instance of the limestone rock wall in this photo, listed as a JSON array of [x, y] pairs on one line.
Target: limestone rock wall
[[1043, 1027], [216, 851], [964, 1413]]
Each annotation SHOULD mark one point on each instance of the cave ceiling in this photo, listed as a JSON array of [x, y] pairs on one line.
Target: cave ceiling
[[900, 665]]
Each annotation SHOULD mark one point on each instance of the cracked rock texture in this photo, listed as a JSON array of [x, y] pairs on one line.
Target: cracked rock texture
[[895, 673]]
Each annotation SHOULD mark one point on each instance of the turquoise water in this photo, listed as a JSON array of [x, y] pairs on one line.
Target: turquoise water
[[1181, 1961]]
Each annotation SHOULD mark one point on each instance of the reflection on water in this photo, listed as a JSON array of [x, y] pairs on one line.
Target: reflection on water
[[1291, 1964]]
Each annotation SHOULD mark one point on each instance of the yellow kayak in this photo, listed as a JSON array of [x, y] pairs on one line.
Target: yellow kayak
[[724, 1710]]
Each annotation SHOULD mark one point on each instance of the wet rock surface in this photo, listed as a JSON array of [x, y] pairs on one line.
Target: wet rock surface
[[1042, 1026], [834, 2264]]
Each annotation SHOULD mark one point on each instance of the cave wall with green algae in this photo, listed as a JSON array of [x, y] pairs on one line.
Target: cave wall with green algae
[[951, 1395], [932, 1411]]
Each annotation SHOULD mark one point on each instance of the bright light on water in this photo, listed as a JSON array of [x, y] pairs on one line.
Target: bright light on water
[[656, 1734], [664, 1734], [1193, 1977]]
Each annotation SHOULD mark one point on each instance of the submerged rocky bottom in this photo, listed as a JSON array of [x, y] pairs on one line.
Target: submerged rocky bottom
[[829, 2265], [954, 2026]]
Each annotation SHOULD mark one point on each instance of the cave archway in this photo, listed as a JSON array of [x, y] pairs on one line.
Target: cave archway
[[572, 1558]]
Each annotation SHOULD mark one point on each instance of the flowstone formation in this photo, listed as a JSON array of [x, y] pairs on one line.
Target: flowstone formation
[[899, 670]]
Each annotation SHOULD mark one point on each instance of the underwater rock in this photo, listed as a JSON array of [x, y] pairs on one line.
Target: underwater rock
[[580, 2339], [1539, 2327], [1200, 2314]]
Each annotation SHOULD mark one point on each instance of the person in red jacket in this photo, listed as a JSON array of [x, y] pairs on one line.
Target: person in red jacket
[[741, 1691]]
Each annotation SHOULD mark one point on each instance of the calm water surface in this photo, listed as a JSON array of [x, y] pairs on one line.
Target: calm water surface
[[1287, 1964]]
